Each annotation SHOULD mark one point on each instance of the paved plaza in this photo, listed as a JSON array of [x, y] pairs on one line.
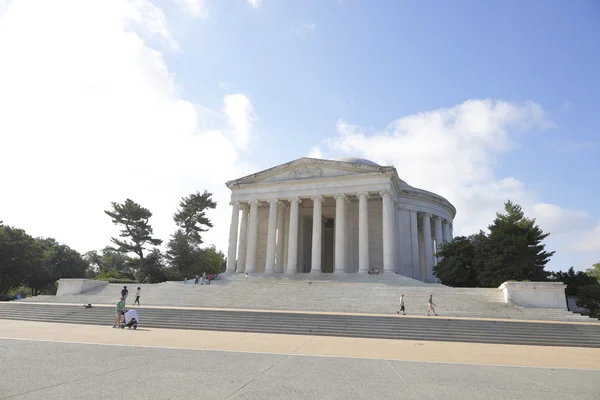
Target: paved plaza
[[34, 369]]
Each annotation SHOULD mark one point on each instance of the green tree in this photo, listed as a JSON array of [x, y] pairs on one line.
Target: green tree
[[459, 265], [212, 260], [595, 272], [183, 255], [513, 249], [133, 219], [109, 260], [153, 268], [191, 216], [573, 280], [20, 256], [589, 298]]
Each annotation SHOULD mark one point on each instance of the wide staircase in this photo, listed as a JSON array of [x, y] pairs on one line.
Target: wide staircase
[[365, 326], [348, 293]]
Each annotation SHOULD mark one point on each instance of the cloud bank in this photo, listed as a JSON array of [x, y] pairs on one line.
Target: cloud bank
[[90, 114], [453, 152]]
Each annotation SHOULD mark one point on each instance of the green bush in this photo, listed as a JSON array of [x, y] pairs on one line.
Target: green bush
[[589, 298], [114, 275]]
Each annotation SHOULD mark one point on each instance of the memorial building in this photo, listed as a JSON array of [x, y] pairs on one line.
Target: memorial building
[[347, 215]]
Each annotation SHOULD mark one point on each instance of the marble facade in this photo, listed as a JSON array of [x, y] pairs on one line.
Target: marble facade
[[368, 218]]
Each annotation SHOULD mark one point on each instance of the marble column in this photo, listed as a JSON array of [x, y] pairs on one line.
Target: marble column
[[292, 261], [233, 235], [451, 231], [388, 234], [439, 238], [446, 231], [340, 233], [414, 245], [428, 244], [363, 232], [271, 237], [243, 242], [280, 237], [252, 225], [315, 262]]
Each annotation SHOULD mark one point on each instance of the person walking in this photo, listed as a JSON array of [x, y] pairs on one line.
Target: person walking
[[137, 296], [197, 279], [432, 306], [401, 305], [124, 294], [246, 277], [203, 278]]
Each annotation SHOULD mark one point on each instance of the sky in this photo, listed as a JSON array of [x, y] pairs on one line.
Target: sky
[[480, 102]]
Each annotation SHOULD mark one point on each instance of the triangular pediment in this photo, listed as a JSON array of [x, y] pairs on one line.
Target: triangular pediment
[[308, 168]]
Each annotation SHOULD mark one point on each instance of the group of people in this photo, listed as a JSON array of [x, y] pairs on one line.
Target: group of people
[[120, 311], [430, 306]]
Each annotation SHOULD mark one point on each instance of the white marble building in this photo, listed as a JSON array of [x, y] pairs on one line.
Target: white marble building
[[368, 218]]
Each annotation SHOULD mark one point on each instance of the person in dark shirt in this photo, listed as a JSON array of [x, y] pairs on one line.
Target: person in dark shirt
[[124, 293]]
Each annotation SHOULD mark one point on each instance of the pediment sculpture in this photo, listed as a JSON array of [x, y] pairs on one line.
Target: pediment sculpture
[[307, 172]]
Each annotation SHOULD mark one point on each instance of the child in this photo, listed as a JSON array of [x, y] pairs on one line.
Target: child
[[137, 296], [119, 311]]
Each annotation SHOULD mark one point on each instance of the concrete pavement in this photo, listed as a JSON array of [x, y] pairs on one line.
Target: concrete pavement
[[303, 345], [49, 370]]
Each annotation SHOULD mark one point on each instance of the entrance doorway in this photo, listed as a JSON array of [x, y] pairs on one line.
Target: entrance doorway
[[327, 249]]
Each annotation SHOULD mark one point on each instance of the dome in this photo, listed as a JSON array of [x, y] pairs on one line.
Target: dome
[[356, 160]]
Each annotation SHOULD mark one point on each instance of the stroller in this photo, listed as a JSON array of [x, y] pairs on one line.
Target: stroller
[[130, 319]]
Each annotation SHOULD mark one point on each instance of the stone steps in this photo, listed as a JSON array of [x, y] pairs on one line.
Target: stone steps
[[349, 293], [385, 327]]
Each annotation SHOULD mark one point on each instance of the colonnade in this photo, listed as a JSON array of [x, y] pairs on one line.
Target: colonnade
[[414, 230]]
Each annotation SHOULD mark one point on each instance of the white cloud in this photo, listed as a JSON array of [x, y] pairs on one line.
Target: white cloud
[[196, 8], [91, 114], [255, 3], [315, 152], [305, 29], [453, 152], [589, 241], [240, 112]]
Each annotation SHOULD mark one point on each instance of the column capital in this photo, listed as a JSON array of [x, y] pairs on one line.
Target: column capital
[[385, 192], [243, 206], [361, 194], [438, 217], [276, 201], [425, 214], [294, 198], [234, 203], [341, 196], [317, 197], [254, 201]]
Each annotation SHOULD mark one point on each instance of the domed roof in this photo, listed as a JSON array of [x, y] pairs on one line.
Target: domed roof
[[356, 160]]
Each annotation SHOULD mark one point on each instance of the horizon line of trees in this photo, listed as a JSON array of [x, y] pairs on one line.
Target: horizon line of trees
[[512, 249], [134, 256]]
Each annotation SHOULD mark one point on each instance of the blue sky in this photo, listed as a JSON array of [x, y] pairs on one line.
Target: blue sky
[[304, 69]]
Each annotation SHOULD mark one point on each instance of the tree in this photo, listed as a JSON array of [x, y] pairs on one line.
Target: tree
[[212, 260], [459, 265], [513, 249], [573, 280], [191, 216], [589, 298], [20, 256], [133, 218], [183, 255], [110, 260], [153, 268], [595, 272]]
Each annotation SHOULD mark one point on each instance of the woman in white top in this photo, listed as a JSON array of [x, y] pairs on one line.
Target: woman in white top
[[137, 296]]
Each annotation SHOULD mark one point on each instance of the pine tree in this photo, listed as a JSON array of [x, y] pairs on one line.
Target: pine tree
[[133, 218], [513, 249], [458, 267], [191, 217]]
